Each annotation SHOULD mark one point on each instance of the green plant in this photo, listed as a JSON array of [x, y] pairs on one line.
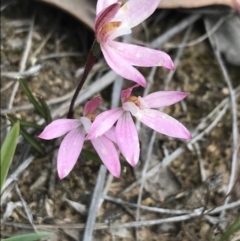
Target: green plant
[[7, 151], [28, 237]]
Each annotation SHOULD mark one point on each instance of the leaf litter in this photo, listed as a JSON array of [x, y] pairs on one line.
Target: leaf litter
[[196, 176]]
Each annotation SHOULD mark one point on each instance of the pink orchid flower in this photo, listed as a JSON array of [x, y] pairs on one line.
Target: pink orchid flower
[[141, 108], [113, 21], [72, 143]]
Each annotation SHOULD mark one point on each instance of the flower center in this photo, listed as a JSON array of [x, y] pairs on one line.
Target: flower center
[[133, 99], [108, 28], [91, 117]]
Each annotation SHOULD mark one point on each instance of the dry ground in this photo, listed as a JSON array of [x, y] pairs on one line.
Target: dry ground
[[198, 171]]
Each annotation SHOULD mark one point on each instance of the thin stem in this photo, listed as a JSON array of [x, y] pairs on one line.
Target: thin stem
[[91, 59]]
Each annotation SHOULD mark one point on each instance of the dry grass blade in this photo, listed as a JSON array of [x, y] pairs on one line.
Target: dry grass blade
[[174, 31], [23, 62], [94, 204], [146, 208], [203, 37], [235, 145], [25, 74], [26, 208], [14, 176]]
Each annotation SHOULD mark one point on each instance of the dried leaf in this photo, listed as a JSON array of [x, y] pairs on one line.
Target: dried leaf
[[11, 206], [193, 4], [84, 10], [226, 38], [81, 208]]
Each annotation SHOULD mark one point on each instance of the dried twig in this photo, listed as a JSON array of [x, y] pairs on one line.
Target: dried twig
[[145, 208], [103, 226], [177, 218]]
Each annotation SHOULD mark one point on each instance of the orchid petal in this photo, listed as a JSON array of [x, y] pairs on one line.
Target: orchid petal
[[69, 151], [163, 123], [141, 56], [59, 128], [127, 92], [127, 138], [110, 134], [120, 66], [105, 16], [136, 11], [102, 4], [163, 98], [108, 154], [104, 122], [86, 123], [92, 105]]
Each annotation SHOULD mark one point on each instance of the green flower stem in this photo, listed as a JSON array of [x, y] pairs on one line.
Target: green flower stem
[[91, 59]]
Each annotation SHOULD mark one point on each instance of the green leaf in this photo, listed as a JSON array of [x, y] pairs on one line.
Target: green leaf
[[30, 124], [46, 110], [13, 119], [7, 152], [91, 155], [32, 141], [31, 98], [231, 230], [29, 138], [29, 237]]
